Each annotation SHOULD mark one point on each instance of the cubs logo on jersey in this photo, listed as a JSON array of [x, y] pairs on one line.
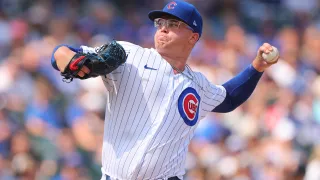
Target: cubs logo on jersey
[[188, 106]]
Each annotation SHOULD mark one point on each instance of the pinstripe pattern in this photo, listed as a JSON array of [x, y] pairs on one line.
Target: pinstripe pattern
[[145, 136]]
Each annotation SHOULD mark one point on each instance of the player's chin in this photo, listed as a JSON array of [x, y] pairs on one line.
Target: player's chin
[[164, 49], [161, 45]]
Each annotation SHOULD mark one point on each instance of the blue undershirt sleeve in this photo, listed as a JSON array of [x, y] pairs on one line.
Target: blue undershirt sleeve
[[53, 61], [239, 89]]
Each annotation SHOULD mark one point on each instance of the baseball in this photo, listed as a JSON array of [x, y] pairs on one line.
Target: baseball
[[271, 56]]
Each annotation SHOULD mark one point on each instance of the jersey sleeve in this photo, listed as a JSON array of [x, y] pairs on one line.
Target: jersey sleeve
[[213, 95], [239, 89]]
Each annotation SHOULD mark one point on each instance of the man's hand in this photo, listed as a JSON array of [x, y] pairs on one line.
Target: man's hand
[[89, 65], [259, 63], [63, 56]]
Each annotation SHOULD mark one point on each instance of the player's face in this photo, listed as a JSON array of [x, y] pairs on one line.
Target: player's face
[[173, 36]]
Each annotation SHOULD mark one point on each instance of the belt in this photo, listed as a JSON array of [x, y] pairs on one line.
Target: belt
[[171, 178], [174, 178]]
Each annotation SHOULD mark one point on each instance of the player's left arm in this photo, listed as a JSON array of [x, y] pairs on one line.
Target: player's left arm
[[239, 88]]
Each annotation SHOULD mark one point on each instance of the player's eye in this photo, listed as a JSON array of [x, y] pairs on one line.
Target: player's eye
[[158, 23], [173, 24], [168, 23]]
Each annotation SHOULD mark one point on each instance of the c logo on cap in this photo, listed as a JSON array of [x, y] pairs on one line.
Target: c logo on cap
[[188, 106], [171, 5]]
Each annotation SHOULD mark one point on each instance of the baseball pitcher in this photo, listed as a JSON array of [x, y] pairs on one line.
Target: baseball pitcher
[[155, 100]]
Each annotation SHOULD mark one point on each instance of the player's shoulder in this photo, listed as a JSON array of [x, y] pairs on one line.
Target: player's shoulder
[[126, 43], [130, 45], [201, 79], [199, 75]]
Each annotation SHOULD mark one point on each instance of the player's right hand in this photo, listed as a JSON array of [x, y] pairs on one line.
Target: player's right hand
[[258, 63]]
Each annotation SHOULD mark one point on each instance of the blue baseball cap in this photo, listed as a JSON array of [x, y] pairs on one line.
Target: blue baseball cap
[[183, 11]]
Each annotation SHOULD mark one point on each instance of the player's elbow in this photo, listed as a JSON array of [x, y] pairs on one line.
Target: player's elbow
[[229, 104], [234, 104], [225, 108], [231, 108]]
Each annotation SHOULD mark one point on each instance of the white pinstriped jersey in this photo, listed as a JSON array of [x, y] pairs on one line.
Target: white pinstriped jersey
[[151, 115]]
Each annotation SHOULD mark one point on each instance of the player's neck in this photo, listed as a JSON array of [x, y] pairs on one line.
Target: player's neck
[[178, 63]]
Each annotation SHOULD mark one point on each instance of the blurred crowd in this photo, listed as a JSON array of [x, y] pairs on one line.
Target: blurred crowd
[[53, 130]]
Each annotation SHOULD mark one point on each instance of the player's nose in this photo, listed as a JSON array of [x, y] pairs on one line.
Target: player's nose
[[164, 29]]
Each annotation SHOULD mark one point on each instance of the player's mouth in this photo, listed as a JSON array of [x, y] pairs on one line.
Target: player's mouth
[[162, 38]]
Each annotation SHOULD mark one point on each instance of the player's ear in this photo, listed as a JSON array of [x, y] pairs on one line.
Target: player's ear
[[193, 38]]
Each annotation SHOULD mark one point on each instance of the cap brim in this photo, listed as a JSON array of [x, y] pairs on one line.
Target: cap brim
[[158, 14]]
